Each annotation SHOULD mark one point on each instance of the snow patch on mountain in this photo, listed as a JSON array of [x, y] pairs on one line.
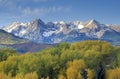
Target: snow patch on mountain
[[62, 22], [80, 26], [49, 33]]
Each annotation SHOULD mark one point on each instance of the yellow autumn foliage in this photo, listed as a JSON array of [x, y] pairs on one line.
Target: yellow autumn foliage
[[113, 73]]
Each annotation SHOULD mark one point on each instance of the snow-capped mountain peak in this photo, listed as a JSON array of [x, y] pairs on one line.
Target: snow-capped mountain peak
[[12, 26], [56, 32], [94, 21], [92, 24], [39, 21]]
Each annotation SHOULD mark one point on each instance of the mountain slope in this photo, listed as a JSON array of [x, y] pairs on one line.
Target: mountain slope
[[115, 27], [7, 38], [56, 32]]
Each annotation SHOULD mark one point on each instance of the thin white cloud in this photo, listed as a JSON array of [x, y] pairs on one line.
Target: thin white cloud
[[43, 11], [36, 12], [13, 4], [8, 5], [11, 9]]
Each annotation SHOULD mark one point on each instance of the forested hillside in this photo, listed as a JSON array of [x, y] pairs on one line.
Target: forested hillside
[[64, 61]]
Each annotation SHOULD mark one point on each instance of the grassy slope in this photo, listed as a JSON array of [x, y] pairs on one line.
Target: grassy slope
[[7, 38]]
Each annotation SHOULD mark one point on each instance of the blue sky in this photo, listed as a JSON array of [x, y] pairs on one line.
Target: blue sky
[[105, 11]]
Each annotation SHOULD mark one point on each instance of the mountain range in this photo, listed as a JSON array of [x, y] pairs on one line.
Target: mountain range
[[57, 32]]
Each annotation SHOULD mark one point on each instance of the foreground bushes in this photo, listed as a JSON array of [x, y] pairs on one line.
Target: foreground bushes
[[20, 76], [113, 73], [65, 61]]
